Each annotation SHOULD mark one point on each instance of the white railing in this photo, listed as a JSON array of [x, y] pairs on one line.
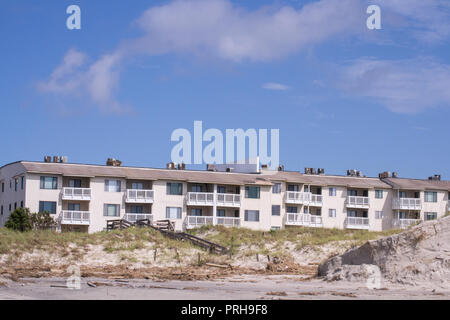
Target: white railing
[[133, 217], [357, 202], [139, 196], [75, 217], [407, 203], [404, 223], [357, 223], [316, 199], [229, 221], [197, 221], [228, 200], [305, 219], [76, 194], [297, 197], [200, 198]]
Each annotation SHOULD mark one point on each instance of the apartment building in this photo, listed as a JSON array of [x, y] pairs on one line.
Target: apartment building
[[83, 197]]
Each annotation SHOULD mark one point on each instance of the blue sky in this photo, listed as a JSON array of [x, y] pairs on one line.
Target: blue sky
[[342, 96]]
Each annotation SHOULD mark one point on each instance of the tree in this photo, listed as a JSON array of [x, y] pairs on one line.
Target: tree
[[41, 220], [19, 220]]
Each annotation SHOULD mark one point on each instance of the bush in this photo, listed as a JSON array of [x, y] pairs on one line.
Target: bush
[[22, 220], [19, 220]]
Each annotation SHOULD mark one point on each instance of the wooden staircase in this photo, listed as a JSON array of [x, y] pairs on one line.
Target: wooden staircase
[[167, 228]]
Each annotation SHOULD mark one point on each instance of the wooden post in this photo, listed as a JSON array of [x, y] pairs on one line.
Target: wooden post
[[198, 259], [257, 257], [268, 258], [154, 254]]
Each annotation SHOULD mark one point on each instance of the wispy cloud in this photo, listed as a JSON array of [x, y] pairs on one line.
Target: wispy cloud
[[405, 86], [275, 86], [222, 30]]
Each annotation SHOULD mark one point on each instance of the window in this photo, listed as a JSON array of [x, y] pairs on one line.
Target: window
[[1, 210], [173, 213], [16, 184], [196, 188], [351, 213], [111, 210], [49, 183], [430, 216], [379, 194], [73, 207], [220, 212], [10, 207], [305, 210], [251, 215], [196, 212], [236, 213], [21, 204], [15, 205], [402, 194], [276, 188], [75, 183], [112, 185], [175, 188], [47, 206], [3, 187], [137, 186], [221, 189], [352, 193], [430, 196], [252, 192], [22, 182], [291, 209], [293, 187], [378, 214], [332, 213], [332, 192], [136, 209], [276, 210]]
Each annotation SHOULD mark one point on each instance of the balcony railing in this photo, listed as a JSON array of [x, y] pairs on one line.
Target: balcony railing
[[75, 217], [305, 219], [200, 198], [139, 196], [229, 221], [133, 217], [405, 223], [228, 200], [303, 198], [357, 223], [407, 204], [198, 221], [357, 202], [76, 194]]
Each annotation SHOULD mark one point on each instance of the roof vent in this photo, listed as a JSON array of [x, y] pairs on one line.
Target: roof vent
[[384, 175], [320, 171], [47, 159], [310, 171], [229, 169], [56, 159], [111, 162], [211, 167], [436, 177], [171, 165], [394, 175], [281, 167], [181, 166], [63, 159]]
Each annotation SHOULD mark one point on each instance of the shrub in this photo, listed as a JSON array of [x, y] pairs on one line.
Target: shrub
[[42, 221], [19, 220]]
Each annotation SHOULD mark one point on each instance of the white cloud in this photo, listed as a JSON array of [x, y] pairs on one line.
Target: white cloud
[[405, 86], [275, 86]]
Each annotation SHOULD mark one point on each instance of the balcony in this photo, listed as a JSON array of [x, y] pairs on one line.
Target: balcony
[[406, 204], [76, 194], [357, 202], [198, 221], [228, 200], [133, 217], [303, 198], [405, 223], [200, 199], [75, 217], [306, 220], [357, 223], [228, 221], [139, 196]]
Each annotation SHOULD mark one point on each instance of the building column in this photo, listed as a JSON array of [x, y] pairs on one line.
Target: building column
[[215, 206]]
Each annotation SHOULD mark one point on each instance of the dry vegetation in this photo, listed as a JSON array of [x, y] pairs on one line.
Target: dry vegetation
[[145, 253]]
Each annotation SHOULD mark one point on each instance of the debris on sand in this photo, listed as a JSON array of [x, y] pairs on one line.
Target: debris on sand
[[418, 255]]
